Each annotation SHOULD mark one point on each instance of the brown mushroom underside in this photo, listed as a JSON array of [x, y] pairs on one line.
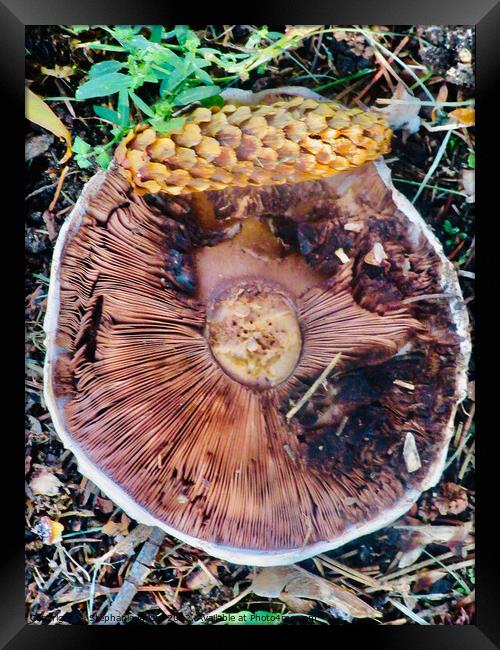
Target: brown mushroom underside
[[147, 403]]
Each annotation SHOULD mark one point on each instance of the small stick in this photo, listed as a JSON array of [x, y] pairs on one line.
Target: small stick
[[136, 576], [309, 393], [58, 188]]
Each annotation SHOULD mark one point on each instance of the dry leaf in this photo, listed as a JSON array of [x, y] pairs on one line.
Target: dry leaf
[[427, 578], [403, 115], [420, 536], [453, 499], [114, 528], [46, 483], [59, 71], [297, 582], [298, 605], [466, 116], [128, 545], [38, 112], [442, 96], [203, 580]]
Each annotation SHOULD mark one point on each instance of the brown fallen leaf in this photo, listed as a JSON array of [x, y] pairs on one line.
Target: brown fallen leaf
[[115, 528], [453, 537], [427, 578], [452, 500], [294, 581], [442, 96], [204, 578]]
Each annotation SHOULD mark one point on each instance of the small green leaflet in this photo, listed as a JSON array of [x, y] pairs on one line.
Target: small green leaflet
[[106, 84], [107, 114], [175, 125], [195, 95], [81, 150], [105, 67], [80, 146]]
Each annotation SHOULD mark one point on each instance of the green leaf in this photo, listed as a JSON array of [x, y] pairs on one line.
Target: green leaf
[[141, 104], [104, 67], [103, 159], [78, 29], [80, 146], [104, 85], [201, 74], [175, 77], [216, 100], [181, 33], [471, 160], [175, 125], [95, 45], [83, 162], [107, 114], [123, 107], [156, 33], [195, 95], [140, 43]]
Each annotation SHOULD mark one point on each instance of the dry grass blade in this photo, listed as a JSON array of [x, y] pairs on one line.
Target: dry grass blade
[[349, 572], [309, 393], [433, 167]]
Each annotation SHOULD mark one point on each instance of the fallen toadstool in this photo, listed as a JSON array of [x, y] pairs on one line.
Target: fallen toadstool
[[254, 341]]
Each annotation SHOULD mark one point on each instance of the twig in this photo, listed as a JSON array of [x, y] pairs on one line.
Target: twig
[[314, 387], [136, 576], [58, 188], [398, 49]]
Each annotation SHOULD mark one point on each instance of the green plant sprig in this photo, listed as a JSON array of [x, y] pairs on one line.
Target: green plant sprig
[[153, 80]]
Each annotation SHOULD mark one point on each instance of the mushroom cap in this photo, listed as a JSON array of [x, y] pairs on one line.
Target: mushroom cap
[[135, 389]]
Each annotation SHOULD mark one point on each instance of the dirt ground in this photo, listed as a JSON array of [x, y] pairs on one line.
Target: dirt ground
[[74, 580]]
